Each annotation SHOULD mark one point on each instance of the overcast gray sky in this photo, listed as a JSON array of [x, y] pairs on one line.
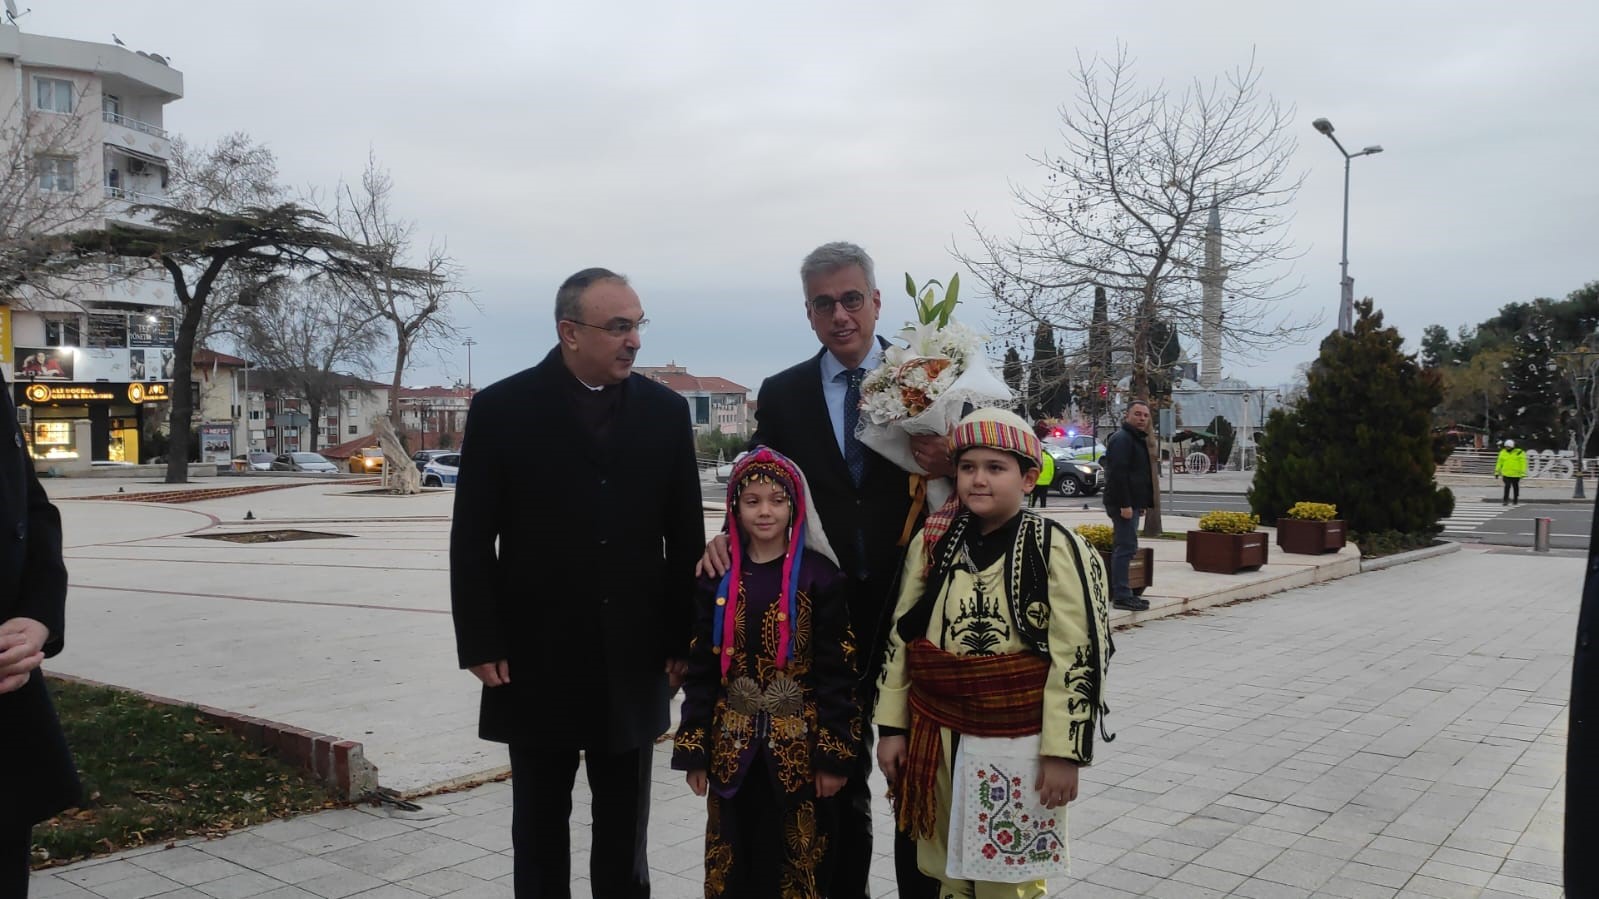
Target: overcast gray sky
[[704, 148]]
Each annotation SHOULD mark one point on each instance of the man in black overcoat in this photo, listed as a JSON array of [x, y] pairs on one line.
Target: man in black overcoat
[[1582, 738], [40, 779], [866, 504], [578, 521]]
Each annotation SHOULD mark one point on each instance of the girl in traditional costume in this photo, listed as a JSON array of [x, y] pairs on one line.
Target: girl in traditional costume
[[994, 673], [769, 718]]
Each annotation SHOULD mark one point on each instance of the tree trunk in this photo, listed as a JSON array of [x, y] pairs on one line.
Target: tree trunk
[[183, 393], [401, 351], [316, 417], [1141, 354]]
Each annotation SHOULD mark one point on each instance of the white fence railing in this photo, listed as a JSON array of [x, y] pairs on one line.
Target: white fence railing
[[1540, 463], [141, 127]]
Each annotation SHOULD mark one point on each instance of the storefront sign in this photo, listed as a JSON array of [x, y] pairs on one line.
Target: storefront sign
[[107, 331], [147, 393], [53, 363], [66, 393], [151, 365], [152, 331]]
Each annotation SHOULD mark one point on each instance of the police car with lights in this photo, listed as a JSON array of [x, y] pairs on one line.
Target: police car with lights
[[440, 471]]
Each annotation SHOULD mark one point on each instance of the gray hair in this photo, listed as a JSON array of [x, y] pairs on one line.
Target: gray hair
[[830, 257], [568, 299]]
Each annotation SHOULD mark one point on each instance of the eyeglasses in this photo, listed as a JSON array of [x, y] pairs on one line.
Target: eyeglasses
[[619, 328], [852, 301]]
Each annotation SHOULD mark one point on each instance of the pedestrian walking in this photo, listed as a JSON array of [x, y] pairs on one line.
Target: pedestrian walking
[[571, 581], [1511, 467], [41, 779], [1129, 490]]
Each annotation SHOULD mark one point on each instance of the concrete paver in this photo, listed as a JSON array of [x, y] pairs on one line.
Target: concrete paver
[[1398, 733]]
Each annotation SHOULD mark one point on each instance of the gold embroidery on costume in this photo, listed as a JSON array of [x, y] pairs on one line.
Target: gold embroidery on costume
[[718, 852], [806, 848]]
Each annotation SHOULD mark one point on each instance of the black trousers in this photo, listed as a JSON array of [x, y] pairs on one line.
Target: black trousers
[[1512, 490], [1040, 497], [16, 854], [541, 821], [852, 837]]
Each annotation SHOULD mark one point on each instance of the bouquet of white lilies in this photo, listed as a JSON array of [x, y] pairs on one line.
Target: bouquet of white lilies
[[924, 386]]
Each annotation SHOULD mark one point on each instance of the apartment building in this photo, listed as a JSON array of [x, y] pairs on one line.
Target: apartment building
[[84, 120], [714, 404], [434, 417]]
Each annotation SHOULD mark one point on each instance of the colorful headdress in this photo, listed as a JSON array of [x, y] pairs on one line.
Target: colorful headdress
[[991, 428], [805, 531]]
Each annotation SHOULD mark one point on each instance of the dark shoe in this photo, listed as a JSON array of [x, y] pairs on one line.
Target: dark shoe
[[1131, 604]]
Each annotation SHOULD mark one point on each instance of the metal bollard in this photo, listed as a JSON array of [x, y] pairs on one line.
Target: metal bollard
[[1540, 534]]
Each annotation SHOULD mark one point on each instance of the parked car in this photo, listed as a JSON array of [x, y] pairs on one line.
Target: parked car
[[315, 463], [367, 461], [1074, 477], [254, 461], [423, 457], [440, 471]]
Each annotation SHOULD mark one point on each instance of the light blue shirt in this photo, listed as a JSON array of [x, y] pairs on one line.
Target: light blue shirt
[[834, 387]]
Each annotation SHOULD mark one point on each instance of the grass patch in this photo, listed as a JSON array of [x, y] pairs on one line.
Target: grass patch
[[153, 773]]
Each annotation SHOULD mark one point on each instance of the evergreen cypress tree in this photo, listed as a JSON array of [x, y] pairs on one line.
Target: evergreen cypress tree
[[1530, 410], [1361, 439]]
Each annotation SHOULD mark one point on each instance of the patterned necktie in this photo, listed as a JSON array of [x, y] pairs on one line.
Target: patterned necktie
[[854, 453]]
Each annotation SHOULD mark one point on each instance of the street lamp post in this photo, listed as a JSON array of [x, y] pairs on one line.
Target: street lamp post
[[469, 343], [1346, 284]]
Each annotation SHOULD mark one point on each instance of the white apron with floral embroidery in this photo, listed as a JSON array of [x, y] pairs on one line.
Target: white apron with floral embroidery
[[999, 831]]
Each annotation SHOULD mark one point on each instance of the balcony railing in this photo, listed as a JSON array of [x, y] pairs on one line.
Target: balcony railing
[[132, 196], [117, 118]]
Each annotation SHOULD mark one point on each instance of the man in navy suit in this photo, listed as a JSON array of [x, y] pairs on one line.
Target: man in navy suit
[[808, 412], [41, 779]]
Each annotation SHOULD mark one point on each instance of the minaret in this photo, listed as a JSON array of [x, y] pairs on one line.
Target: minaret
[[1211, 278]]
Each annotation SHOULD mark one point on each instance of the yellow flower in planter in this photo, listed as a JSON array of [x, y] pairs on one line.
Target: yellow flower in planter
[[1100, 536], [1312, 512], [1229, 522]]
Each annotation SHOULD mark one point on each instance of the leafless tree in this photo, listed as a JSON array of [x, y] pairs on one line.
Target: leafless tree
[[47, 187], [302, 331], [413, 301], [1124, 207]]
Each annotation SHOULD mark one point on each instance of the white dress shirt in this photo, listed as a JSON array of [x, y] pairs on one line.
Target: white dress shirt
[[834, 387]]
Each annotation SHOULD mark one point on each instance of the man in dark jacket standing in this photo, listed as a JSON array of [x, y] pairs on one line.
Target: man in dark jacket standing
[[808, 412], [1129, 490], [40, 777], [1582, 739], [578, 520]]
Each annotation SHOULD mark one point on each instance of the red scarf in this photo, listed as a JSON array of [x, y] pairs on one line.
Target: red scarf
[[986, 696]]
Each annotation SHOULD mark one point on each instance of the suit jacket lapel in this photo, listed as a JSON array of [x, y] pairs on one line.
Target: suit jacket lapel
[[557, 402], [813, 418]]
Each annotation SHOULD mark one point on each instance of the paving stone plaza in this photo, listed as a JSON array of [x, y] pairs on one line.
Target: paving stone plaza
[[1391, 733]]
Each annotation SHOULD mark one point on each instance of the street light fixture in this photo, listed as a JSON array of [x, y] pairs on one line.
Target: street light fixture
[[1346, 284]]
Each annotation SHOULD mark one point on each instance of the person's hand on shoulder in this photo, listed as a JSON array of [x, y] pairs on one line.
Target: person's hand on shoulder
[[716, 560]]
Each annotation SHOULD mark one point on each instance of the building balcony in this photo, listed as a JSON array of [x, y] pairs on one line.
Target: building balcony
[[133, 124], [134, 136], [131, 196]]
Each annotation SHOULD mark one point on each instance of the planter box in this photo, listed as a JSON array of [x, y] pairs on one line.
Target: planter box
[[1140, 570], [1311, 538], [1226, 553]]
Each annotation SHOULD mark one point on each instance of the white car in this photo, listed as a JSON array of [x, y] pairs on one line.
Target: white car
[[1075, 446], [440, 471]]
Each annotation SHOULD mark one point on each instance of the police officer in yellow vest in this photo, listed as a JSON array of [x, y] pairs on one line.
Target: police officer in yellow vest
[[1512, 467], [1046, 477]]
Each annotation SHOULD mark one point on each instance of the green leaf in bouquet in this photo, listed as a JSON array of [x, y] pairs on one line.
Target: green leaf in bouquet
[[910, 285]]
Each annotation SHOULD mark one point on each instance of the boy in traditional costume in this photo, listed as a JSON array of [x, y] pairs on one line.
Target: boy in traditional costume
[[994, 674], [769, 719]]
